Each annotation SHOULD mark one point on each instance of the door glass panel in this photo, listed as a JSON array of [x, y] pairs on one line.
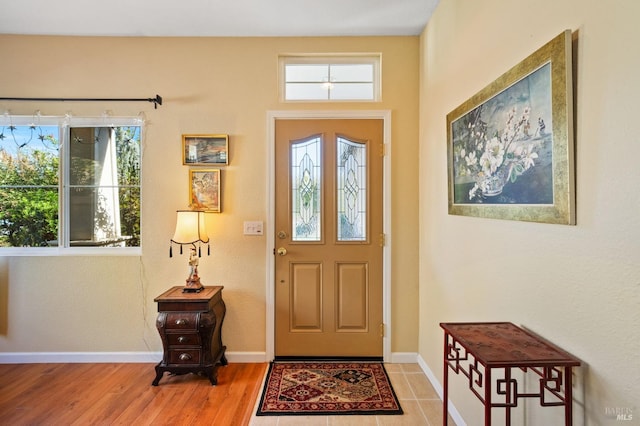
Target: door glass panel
[[305, 189], [351, 190]]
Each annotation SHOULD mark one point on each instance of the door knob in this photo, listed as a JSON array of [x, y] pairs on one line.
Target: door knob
[[282, 251]]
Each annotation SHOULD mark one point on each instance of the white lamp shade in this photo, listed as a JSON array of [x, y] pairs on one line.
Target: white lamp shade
[[190, 227]]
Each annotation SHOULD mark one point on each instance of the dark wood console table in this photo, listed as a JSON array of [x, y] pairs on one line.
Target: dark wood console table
[[477, 349], [190, 327]]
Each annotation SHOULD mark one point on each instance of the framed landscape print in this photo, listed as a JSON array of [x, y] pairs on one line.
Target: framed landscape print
[[204, 190], [510, 146], [202, 150]]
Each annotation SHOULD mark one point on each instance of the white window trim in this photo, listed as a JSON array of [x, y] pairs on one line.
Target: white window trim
[[63, 123], [374, 59]]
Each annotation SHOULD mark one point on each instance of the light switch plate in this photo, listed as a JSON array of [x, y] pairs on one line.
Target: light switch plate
[[253, 228]]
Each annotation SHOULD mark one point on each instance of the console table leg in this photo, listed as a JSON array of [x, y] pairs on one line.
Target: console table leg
[[487, 397], [568, 397], [445, 380], [507, 383]]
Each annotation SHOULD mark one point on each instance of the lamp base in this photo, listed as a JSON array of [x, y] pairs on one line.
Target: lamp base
[[193, 285], [192, 290]]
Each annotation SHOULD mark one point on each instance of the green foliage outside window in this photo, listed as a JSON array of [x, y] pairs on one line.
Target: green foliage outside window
[[128, 155], [28, 197]]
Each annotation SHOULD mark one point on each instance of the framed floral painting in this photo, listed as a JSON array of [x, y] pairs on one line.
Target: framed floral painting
[[510, 146], [204, 190]]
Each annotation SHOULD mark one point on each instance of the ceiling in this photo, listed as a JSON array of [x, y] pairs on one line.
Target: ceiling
[[234, 18]]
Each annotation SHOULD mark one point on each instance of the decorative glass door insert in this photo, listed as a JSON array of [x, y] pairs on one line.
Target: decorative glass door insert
[[351, 189], [306, 189]]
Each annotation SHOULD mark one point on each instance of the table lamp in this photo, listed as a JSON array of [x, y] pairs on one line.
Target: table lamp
[[191, 230]]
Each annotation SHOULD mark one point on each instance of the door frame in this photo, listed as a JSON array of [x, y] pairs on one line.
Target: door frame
[[272, 116]]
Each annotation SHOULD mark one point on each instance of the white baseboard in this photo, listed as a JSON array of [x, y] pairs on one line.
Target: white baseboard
[[109, 357], [247, 357], [455, 414], [78, 357], [404, 358]]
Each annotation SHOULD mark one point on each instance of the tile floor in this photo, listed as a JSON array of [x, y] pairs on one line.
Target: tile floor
[[418, 399]]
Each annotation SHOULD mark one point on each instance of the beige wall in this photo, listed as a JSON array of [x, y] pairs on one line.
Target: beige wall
[[209, 85], [578, 286]]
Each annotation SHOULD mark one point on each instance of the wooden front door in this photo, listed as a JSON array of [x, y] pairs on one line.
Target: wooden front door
[[328, 236]]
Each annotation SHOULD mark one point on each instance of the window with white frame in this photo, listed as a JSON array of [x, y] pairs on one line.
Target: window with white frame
[[330, 78], [69, 185]]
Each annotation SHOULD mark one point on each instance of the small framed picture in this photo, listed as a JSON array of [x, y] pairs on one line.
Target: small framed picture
[[202, 150], [204, 190]]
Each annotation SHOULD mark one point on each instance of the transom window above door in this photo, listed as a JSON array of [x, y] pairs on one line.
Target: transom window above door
[[330, 78]]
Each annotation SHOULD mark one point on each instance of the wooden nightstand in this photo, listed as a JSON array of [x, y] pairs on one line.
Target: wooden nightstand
[[190, 328]]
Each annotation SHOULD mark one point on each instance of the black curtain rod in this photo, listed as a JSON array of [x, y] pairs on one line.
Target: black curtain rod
[[156, 101]]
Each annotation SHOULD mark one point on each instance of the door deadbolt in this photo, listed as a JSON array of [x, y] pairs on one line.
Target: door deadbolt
[[282, 235]]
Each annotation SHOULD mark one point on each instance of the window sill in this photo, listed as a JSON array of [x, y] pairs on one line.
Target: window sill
[[70, 251]]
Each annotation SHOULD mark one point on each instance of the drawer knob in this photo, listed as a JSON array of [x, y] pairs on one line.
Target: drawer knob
[[181, 321], [182, 339], [185, 357]]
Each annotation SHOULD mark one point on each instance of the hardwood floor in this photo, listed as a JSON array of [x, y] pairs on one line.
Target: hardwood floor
[[121, 394]]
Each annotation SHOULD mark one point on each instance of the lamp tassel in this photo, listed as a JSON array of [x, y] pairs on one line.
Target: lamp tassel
[[180, 248], [170, 250], [199, 250], [208, 250]]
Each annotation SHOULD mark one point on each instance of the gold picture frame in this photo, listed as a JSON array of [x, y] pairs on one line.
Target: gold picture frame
[[205, 150], [204, 190], [510, 147]]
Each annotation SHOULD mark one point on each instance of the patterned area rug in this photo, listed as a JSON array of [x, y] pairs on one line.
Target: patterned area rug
[[327, 388]]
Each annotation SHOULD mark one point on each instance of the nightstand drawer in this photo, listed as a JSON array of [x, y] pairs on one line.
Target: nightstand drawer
[[184, 339], [182, 321], [184, 356]]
